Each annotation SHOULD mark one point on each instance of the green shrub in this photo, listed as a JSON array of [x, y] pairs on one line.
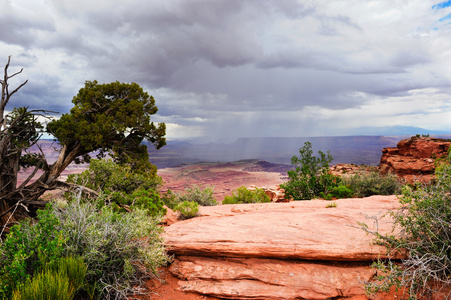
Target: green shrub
[[196, 194], [119, 249], [311, 175], [122, 186], [43, 286], [187, 209], [373, 183], [339, 192], [29, 247], [170, 199], [59, 280], [203, 197], [423, 225], [244, 195]]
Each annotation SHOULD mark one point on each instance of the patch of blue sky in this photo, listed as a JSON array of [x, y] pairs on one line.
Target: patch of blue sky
[[442, 5], [445, 18]]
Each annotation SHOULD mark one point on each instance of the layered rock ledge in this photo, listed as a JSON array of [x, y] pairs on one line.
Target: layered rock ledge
[[414, 159], [296, 250]]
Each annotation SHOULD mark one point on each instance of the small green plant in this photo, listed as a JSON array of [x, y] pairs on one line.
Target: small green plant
[[187, 209], [29, 247], [58, 280], [44, 285], [311, 175], [332, 204], [244, 195]]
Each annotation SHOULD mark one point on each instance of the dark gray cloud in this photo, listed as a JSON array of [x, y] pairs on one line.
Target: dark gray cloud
[[240, 67]]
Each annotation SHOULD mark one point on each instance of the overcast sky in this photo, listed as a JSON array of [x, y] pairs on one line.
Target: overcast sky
[[242, 68]]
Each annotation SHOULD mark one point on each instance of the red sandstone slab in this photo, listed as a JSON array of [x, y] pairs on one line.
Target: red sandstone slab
[[270, 278], [297, 230]]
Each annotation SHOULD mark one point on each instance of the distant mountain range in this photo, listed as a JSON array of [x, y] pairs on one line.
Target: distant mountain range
[[364, 146], [346, 149], [397, 131], [358, 149]]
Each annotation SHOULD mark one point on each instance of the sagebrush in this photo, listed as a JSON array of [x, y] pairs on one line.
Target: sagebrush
[[121, 250], [374, 183], [245, 195]]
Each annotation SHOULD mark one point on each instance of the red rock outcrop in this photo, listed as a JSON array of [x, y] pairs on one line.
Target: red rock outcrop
[[414, 159], [296, 250]]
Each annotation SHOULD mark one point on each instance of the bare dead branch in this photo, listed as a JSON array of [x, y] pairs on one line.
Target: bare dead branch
[[72, 186], [37, 167], [16, 89]]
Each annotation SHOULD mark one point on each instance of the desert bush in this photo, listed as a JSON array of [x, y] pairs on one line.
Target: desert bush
[[28, 248], [196, 194], [244, 195], [170, 199], [121, 250], [121, 186], [59, 280], [203, 197], [424, 226], [187, 209], [373, 183], [339, 192], [311, 175]]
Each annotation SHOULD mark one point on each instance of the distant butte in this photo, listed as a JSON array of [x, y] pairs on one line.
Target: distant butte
[[414, 159]]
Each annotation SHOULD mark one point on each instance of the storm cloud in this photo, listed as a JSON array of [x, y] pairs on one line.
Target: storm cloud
[[237, 68]]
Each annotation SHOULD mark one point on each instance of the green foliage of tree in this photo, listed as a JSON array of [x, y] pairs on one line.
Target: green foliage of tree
[[311, 175], [244, 195], [122, 185], [113, 118], [423, 227]]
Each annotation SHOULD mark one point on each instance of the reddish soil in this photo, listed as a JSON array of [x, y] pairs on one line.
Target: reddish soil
[[223, 177], [166, 288]]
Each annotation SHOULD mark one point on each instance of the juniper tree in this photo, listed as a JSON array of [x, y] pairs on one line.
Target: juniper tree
[[113, 119]]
